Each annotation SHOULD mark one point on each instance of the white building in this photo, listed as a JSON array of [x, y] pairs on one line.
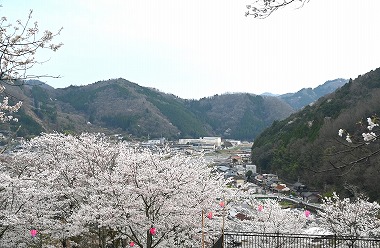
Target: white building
[[217, 141], [204, 142]]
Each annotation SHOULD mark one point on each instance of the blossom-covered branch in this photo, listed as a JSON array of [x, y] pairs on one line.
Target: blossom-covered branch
[[18, 47], [357, 146], [264, 8]]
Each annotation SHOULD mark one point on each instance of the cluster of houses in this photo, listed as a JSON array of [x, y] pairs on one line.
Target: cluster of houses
[[240, 173]]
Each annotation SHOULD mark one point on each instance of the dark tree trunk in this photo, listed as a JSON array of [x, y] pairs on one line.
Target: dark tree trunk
[[149, 240]]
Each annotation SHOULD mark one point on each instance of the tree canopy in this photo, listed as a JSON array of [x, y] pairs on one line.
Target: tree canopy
[[74, 189]]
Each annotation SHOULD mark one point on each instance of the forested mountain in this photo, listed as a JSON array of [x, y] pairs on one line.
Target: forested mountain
[[239, 116], [119, 106], [306, 146]]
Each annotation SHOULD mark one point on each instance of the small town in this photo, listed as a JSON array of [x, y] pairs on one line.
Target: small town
[[234, 162]]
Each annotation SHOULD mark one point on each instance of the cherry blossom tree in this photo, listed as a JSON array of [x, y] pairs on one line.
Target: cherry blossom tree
[[48, 164], [155, 190], [356, 218], [91, 187], [264, 8], [61, 168], [266, 216], [245, 213], [16, 193]]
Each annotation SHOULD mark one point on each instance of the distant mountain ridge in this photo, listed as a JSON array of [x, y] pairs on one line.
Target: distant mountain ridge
[[307, 96], [119, 106]]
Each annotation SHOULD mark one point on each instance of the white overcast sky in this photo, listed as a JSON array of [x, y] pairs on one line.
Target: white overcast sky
[[199, 48]]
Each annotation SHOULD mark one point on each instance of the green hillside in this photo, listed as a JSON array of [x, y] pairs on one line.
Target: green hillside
[[121, 107], [306, 146]]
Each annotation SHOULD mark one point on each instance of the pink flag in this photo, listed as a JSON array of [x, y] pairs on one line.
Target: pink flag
[[307, 213], [153, 231], [209, 215], [33, 232]]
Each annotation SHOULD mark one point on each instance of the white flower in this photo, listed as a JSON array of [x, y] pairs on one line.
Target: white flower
[[371, 124], [348, 138], [340, 132], [369, 136]]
